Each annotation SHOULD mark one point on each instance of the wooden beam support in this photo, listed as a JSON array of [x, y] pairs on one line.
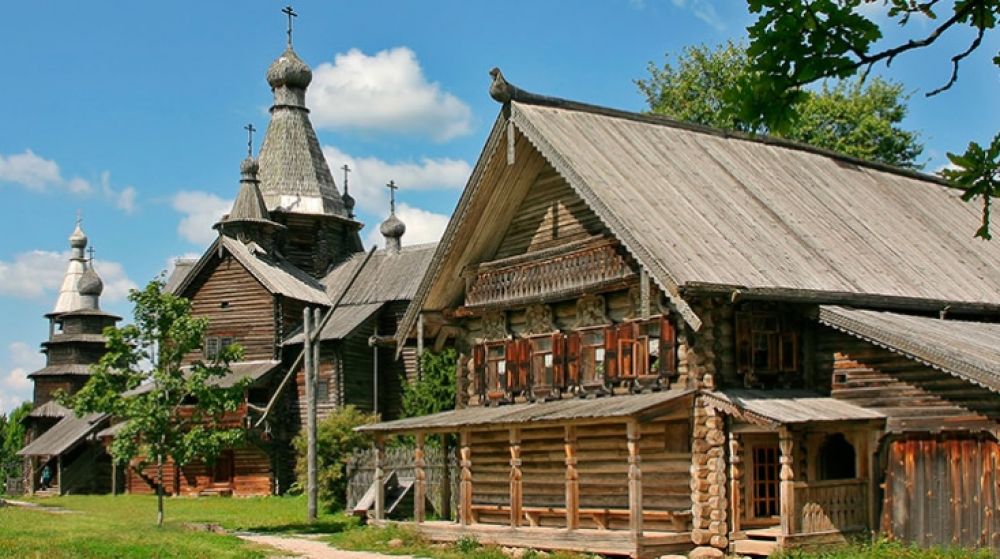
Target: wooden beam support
[[380, 477], [572, 480], [735, 481], [634, 481], [419, 480], [516, 494], [465, 486], [786, 491]]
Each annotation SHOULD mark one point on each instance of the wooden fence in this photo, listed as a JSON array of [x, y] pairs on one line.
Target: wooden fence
[[361, 473]]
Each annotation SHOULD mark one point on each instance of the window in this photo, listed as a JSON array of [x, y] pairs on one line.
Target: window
[[766, 345], [496, 371], [215, 344], [764, 498], [592, 357], [546, 365], [322, 390]]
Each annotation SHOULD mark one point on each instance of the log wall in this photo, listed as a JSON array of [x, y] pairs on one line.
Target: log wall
[[252, 476], [237, 306]]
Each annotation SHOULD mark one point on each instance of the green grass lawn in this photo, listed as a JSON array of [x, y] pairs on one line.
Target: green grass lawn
[[125, 526]]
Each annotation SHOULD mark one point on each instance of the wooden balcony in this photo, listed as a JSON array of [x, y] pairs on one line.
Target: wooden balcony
[[544, 275]]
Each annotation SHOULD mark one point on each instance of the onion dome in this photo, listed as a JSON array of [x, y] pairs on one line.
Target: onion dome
[[289, 70], [78, 239], [90, 283], [392, 227], [249, 168], [348, 204]]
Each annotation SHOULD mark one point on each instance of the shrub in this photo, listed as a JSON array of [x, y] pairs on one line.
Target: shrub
[[336, 441]]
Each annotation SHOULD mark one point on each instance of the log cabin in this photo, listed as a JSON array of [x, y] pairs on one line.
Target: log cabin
[[290, 243], [56, 440], [676, 339]]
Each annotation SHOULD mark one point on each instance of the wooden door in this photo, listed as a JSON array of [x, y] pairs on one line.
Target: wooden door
[[222, 473], [763, 503], [943, 492]]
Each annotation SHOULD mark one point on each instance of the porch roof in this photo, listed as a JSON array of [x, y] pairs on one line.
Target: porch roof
[[559, 410], [787, 407], [64, 435]]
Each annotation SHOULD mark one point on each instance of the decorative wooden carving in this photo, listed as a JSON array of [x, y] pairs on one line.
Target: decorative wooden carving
[[572, 479], [546, 275], [634, 310], [590, 311], [420, 480], [495, 325], [539, 319]]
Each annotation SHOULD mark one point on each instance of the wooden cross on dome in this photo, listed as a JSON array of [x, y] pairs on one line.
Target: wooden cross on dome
[[250, 130], [347, 169], [290, 12], [91, 252], [392, 196]]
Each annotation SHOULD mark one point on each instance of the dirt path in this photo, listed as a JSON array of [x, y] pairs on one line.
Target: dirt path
[[313, 549]]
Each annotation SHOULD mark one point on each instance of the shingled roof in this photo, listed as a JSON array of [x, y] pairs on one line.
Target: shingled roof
[[966, 349], [65, 435], [705, 210]]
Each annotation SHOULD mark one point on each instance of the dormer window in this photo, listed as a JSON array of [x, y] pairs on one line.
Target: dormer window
[[766, 345]]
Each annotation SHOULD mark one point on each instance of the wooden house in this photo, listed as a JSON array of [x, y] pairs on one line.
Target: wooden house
[[678, 339], [55, 439], [291, 243]]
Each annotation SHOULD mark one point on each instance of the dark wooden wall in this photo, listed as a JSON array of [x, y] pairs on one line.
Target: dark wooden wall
[[252, 476], [550, 215], [914, 396], [944, 492], [249, 316], [47, 386], [315, 243]]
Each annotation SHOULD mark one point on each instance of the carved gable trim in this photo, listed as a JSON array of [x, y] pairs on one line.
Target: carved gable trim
[[495, 325]]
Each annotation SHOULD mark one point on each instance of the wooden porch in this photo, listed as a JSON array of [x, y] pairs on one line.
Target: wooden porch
[[585, 540]]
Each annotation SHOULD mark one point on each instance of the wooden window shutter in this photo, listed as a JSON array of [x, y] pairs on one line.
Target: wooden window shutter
[[479, 368], [558, 358], [611, 352], [668, 349], [513, 364], [573, 359], [523, 364], [789, 352], [744, 346], [627, 335]]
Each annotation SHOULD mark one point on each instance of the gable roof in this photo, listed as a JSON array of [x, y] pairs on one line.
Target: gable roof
[[386, 277], [965, 349], [787, 407], [276, 274], [707, 210], [179, 275]]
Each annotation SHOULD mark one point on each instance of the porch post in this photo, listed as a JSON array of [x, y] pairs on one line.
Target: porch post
[[634, 481], [871, 455], [465, 487], [735, 480], [787, 477], [516, 496], [572, 480], [380, 477], [419, 480]]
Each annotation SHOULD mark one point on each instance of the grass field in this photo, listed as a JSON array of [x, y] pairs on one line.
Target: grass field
[[125, 526]]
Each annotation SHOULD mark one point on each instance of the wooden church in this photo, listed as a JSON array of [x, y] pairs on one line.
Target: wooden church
[[675, 339], [56, 441], [291, 242]]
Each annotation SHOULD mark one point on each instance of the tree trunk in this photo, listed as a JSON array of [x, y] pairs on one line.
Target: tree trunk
[[159, 490]]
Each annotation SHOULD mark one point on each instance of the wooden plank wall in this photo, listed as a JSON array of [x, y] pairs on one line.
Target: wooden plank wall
[[252, 476], [551, 214], [914, 397], [943, 492], [356, 374], [47, 386], [249, 316]]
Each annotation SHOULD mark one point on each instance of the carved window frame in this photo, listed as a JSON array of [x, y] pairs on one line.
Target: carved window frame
[[767, 344]]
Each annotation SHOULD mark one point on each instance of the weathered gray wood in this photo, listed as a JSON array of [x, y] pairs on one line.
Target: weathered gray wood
[[419, 480], [310, 373], [634, 480], [379, 477]]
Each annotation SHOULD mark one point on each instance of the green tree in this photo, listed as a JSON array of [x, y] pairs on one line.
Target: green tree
[[12, 440], [169, 411], [434, 391], [797, 42], [336, 441], [850, 117]]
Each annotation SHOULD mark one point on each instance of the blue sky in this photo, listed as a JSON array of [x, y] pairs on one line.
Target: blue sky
[[132, 112]]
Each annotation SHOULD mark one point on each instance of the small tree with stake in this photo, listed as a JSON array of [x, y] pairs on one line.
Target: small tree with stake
[[168, 411]]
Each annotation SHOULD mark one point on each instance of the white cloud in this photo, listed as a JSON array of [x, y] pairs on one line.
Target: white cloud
[[39, 273], [40, 175], [201, 211], [369, 176], [384, 93], [422, 226], [15, 386], [703, 10]]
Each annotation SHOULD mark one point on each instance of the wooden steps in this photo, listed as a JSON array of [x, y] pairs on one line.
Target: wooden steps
[[759, 542]]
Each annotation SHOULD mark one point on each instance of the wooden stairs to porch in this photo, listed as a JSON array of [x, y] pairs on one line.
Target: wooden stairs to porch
[[50, 492], [759, 542], [217, 491]]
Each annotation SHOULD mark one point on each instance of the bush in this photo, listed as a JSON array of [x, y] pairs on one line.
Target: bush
[[434, 391], [336, 441]]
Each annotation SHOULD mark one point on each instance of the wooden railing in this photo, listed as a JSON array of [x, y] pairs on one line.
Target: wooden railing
[[544, 274], [823, 506]]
